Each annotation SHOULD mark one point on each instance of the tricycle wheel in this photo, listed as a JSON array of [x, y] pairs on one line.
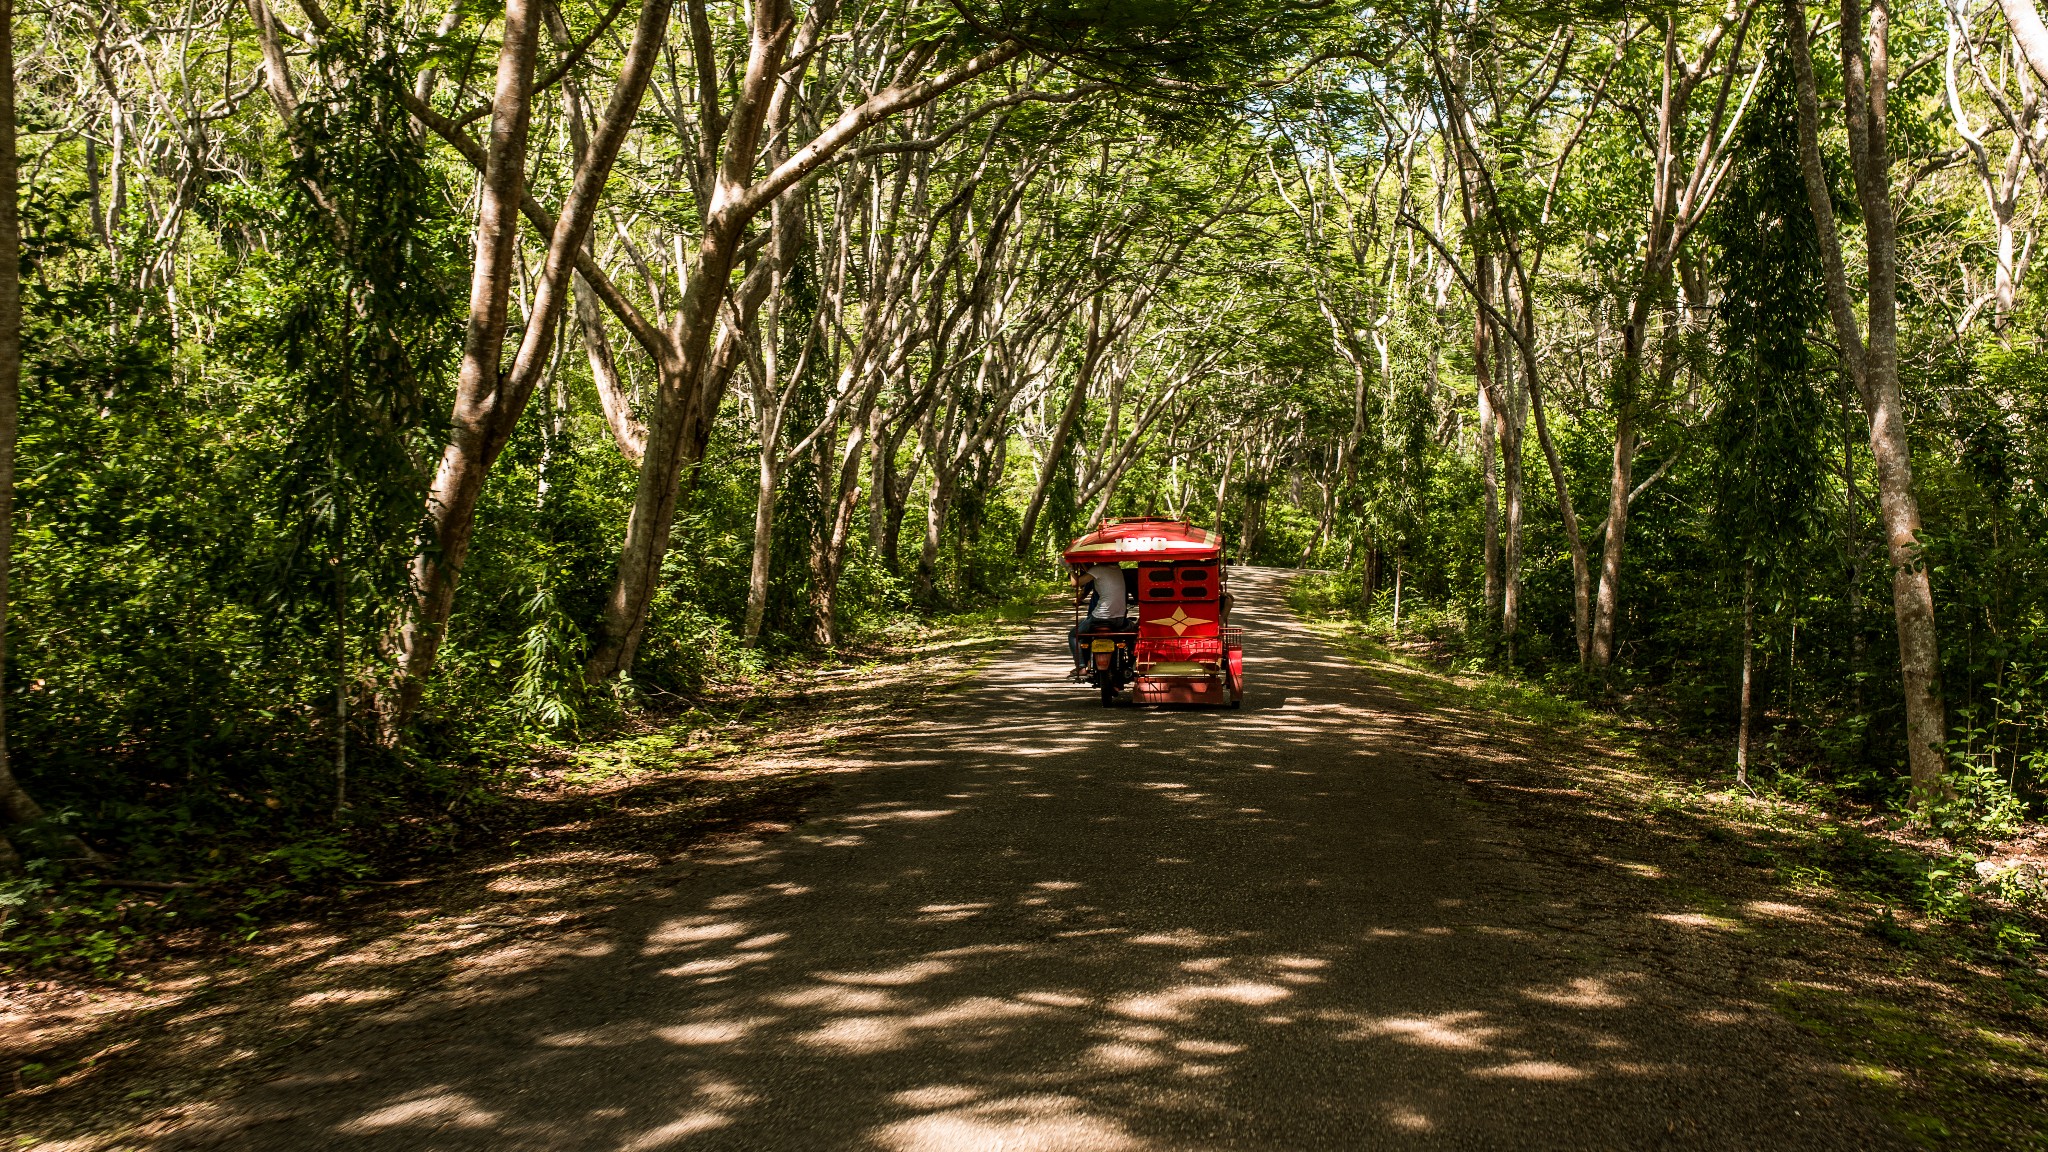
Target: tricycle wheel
[[1108, 696]]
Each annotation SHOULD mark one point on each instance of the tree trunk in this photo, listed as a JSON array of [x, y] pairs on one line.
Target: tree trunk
[[649, 523], [1489, 473], [1620, 480], [2028, 31], [16, 803], [882, 497], [681, 407], [1875, 367], [828, 555], [1748, 672], [1852, 554], [1322, 532], [939, 443], [1511, 432], [771, 405], [1251, 524], [627, 430], [489, 400], [1223, 487], [2005, 279], [1597, 649], [1489, 418], [945, 482], [895, 507], [458, 483], [1575, 544], [18, 806], [341, 669], [764, 540]]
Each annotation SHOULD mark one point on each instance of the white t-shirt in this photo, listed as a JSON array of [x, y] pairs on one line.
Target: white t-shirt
[[1109, 591]]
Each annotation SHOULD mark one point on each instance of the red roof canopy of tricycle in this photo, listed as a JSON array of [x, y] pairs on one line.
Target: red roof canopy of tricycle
[[1145, 538]]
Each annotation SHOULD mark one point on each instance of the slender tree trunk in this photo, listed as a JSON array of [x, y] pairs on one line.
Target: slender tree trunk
[[117, 182], [1322, 533], [2005, 284], [627, 430], [1251, 525], [940, 438], [1489, 474], [771, 405], [1874, 367], [1597, 649], [1511, 432], [892, 491], [92, 190], [459, 481], [1621, 479], [1748, 672], [764, 540], [1223, 488], [18, 806], [829, 556], [341, 670], [1400, 571], [1482, 366], [1575, 543], [881, 487], [1852, 554], [945, 483], [896, 506]]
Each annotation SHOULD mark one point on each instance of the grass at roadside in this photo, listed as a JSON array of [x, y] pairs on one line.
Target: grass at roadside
[[1921, 975], [84, 1052]]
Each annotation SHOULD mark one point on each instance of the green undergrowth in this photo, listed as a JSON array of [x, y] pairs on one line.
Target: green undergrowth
[[1938, 999], [202, 885]]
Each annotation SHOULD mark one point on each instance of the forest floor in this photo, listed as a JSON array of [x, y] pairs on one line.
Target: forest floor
[[953, 904]]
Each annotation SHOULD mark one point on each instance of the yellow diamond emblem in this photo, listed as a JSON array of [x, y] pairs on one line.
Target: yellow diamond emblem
[[1180, 621]]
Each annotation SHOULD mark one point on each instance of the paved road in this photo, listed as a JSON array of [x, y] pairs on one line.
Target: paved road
[[1035, 925]]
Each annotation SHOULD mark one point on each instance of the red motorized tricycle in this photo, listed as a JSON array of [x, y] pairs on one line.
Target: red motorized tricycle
[[1175, 646]]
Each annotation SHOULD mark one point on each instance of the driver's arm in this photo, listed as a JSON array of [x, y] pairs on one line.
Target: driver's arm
[[1083, 582]]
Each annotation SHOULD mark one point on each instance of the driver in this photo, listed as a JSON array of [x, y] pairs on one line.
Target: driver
[[1103, 586]]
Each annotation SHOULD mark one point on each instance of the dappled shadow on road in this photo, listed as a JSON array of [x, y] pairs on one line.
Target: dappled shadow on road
[[1027, 922]]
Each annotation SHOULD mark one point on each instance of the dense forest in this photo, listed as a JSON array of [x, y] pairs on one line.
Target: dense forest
[[388, 388]]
